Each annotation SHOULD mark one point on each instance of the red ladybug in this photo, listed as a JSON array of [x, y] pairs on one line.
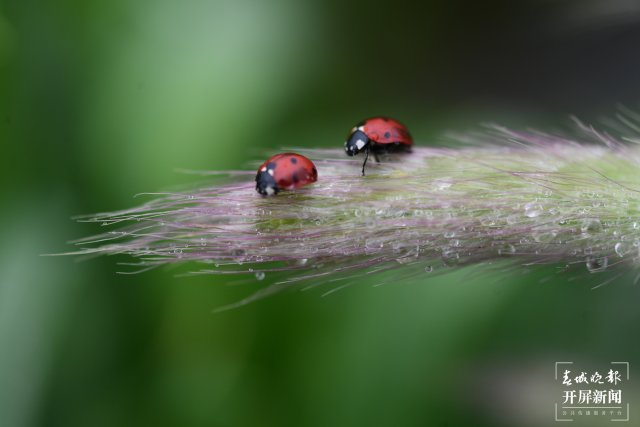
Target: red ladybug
[[285, 171], [378, 135]]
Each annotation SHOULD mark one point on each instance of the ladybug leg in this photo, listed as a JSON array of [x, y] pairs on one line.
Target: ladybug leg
[[366, 157], [375, 156]]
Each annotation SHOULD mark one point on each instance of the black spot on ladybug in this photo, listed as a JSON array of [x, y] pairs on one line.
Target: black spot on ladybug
[[271, 165], [295, 178], [387, 135], [293, 160]]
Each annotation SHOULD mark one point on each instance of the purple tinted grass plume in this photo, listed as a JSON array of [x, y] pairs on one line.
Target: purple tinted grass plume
[[525, 197]]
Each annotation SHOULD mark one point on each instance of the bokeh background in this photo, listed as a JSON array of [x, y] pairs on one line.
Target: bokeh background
[[103, 100]]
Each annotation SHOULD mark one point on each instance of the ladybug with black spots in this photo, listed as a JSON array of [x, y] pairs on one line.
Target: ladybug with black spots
[[378, 135], [285, 171]]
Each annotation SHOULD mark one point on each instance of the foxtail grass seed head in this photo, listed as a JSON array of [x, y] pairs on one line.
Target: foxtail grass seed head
[[522, 197]]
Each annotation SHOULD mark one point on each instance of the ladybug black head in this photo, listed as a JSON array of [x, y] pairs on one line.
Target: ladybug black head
[[356, 142], [265, 183]]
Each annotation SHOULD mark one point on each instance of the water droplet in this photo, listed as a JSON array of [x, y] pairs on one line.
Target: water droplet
[[591, 226], [441, 185], [373, 244], [544, 237], [512, 219], [428, 269], [203, 241], [595, 265], [318, 222], [260, 275], [449, 234], [622, 248], [533, 209], [636, 225], [450, 255], [251, 270], [508, 249]]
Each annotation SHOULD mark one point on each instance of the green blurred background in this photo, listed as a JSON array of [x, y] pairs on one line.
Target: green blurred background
[[102, 100]]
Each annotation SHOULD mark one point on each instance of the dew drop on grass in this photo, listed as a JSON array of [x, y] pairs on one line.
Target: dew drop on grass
[[508, 249], [428, 269], [622, 248], [591, 226], [441, 185], [512, 219], [595, 265], [260, 275], [533, 209], [450, 255], [544, 236]]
